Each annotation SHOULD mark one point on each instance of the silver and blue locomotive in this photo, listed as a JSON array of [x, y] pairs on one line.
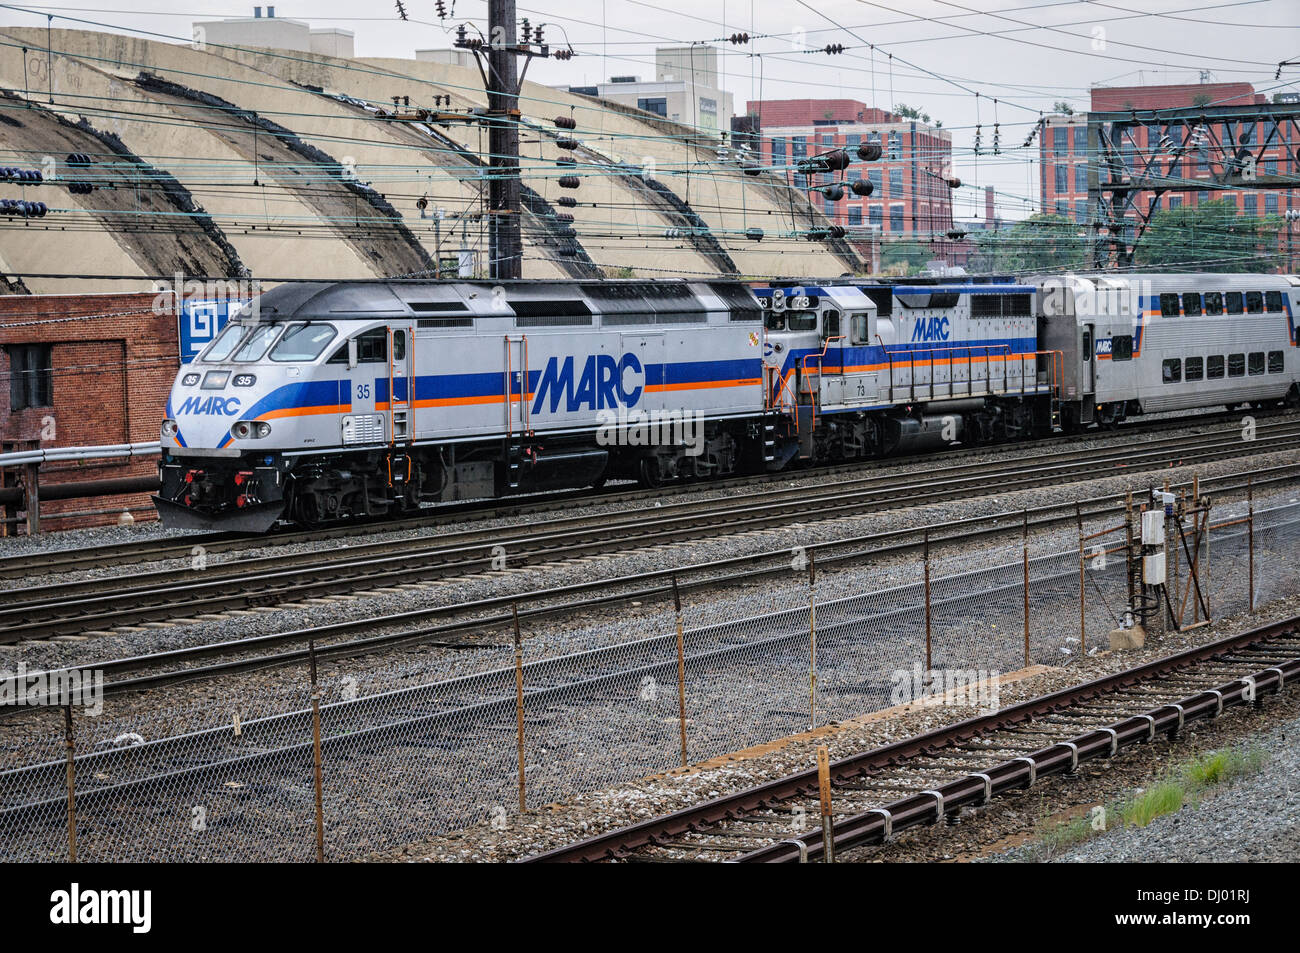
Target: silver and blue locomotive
[[344, 399]]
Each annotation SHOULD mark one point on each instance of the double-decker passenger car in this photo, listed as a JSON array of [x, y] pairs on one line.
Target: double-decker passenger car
[[1138, 344]]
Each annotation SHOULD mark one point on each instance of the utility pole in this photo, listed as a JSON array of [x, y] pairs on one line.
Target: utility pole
[[497, 61], [506, 244]]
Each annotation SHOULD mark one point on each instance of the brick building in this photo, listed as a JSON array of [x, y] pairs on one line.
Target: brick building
[[1064, 159], [909, 197], [85, 370]]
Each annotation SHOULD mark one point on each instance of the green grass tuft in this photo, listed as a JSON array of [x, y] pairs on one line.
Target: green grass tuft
[[1182, 786], [1164, 798]]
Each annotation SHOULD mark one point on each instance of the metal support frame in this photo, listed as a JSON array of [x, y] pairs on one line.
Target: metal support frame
[[1123, 171]]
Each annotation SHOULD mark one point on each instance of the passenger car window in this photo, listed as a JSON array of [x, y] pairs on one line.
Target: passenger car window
[[303, 342], [1192, 303], [1256, 362], [1255, 302], [1194, 368], [1172, 369], [1232, 302], [1236, 365], [1214, 366], [1169, 305], [1276, 362], [1273, 300], [1213, 302]]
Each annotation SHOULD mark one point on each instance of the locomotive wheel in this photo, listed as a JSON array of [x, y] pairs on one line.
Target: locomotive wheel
[[648, 473]]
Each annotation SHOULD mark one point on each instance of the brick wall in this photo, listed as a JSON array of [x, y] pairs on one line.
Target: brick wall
[[114, 360]]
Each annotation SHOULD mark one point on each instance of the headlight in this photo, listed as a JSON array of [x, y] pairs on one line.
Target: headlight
[[189, 380], [246, 429], [169, 428], [245, 380]]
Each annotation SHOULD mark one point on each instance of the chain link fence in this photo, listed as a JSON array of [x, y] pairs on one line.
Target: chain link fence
[[342, 774]]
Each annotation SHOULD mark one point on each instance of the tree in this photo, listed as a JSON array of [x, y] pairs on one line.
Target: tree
[[1040, 243], [910, 112], [904, 257], [1061, 106], [1209, 237]]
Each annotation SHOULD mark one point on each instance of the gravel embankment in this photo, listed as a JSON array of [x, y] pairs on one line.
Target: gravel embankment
[[1253, 819]]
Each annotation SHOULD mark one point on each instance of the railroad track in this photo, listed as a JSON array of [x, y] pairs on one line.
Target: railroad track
[[469, 624], [72, 608], [180, 547], [938, 775]]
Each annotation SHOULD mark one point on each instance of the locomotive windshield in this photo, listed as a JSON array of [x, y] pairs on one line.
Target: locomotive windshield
[[790, 320], [225, 343], [303, 342], [256, 343]]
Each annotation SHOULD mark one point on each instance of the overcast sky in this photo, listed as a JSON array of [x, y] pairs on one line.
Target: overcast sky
[[1025, 54]]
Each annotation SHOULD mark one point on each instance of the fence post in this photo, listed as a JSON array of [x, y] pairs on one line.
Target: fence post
[[519, 708], [69, 744], [316, 759], [1083, 569], [681, 668], [1171, 571], [1250, 536], [824, 788], [31, 498], [926, 562], [812, 640], [1209, 582], [1024, 539]]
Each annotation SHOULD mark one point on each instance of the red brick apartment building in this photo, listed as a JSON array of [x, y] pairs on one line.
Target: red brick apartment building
[[909, 195], [1063, 150], [85, 370]]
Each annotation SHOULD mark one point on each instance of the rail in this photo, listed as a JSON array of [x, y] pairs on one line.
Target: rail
[[18, 458]]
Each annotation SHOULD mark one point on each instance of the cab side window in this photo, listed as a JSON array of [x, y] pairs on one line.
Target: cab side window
[[831, 324], [858, 326], [372, 347]]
